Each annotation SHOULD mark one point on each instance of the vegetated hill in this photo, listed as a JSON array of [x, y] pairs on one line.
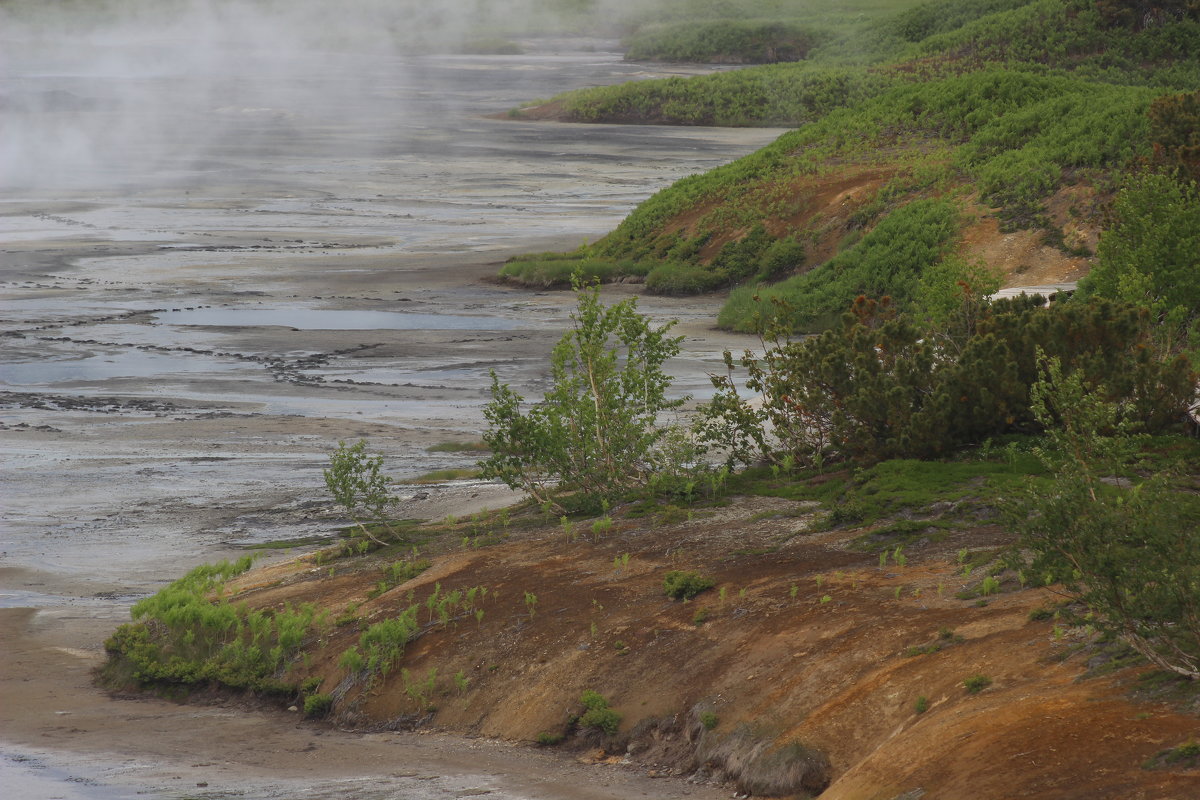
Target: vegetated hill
[[853, 633], [1005, 126]]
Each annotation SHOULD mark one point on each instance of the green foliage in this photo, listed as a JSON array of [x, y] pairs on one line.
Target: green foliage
[[317, 705], [1073, 35], [943, 16], [1183, 755], [457, 447], [683, 585], [976, 683], [709, 720], [381, 645], [444, 475], [883, 386], [777, 95], [401, 571], [1127, 551], [889, 261], [593, 437], [1150, 256], [597, 714], [1175, 133], [545, 739], [188, 634], [725, 42], [358, 486], [547, 270], [922, 704]]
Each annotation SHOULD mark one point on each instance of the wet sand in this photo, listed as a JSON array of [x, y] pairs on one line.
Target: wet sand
[[138, 445]]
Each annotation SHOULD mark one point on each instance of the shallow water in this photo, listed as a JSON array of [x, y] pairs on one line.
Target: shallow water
[[309, 319], [191, 327]]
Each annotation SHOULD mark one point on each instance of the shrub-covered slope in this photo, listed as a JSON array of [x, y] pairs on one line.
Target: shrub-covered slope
[[1005, 125]]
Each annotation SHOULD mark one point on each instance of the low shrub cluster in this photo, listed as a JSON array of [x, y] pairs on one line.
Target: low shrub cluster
[[724, 42], [889, 261], [597, 715], [683, 585], [187, 634], [884, 386]]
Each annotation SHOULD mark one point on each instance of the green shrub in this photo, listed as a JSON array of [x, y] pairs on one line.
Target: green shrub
[[679, 278], [885, 386], [724, 41], [680, 585], [922, 704], [977, 683], [1127, 551], [317, 705], [546, 739], [187, 633], [595, 436], [709, 720], [597, 714], [889, 261]]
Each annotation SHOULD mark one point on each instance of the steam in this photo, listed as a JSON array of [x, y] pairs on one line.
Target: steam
[[122, 93]]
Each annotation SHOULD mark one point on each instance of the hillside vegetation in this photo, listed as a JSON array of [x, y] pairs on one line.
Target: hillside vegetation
[[939, 142]]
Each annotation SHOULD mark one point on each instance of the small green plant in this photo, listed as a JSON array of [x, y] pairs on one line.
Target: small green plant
[[977, 683], [709, 720], [597, 714], [531, 603], [795, 590], [601, 526], [825, 599], [990, 585], [1041, 614], [420, 691], [546, 739], [352, 660], [357, 485], [700, 617], [681, 585], [922, 704], [461, 681], [1189, 749], [317, 705]]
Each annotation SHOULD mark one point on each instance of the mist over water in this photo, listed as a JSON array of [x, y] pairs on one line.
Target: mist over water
[[106, 95]]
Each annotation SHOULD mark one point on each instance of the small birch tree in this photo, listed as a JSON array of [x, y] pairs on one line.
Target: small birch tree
[[594, 436]]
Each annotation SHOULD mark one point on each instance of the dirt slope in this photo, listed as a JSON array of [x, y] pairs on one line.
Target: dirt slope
[[829, 669]]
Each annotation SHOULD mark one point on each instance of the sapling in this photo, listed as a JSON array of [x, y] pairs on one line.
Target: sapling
[[357, 485], [594, 436]]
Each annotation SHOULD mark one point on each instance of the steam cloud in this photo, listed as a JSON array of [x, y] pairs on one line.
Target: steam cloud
[[113, 94]]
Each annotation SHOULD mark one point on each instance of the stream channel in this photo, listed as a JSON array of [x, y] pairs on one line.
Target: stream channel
[[207, 282]]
